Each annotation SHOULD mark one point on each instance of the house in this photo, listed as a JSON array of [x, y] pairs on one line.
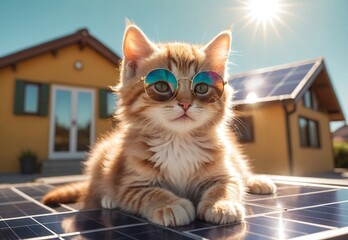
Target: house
[[55, 100], [283, 115], [341, 134]]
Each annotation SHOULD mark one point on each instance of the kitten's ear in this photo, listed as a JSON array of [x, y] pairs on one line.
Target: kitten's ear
[[217, 51], [136, 45]]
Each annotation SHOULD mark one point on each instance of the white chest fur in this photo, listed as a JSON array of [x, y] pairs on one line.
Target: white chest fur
[[179, 156]]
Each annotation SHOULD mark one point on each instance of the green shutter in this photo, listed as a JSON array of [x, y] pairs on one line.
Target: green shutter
[[43, 99], [19, 97], [102, 103]]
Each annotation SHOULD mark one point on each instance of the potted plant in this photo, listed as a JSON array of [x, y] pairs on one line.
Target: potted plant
[[28, 162]]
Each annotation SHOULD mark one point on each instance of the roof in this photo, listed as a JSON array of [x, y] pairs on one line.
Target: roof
[[341, 132], [81, 37], [287, 83]]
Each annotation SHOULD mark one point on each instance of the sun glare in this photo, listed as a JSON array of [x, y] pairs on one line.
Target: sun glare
[[263, 10]]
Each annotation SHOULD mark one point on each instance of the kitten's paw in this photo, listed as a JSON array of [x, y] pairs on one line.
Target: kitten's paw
[[107, 202], [261, 185], [221, 212], [180, 212]]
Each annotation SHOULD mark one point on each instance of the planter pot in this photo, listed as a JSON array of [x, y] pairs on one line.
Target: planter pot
[[28, 165]]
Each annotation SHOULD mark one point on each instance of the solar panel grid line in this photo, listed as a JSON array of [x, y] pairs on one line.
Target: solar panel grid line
[[45, 238], [67, 207], [14, 202], [325, 235], [263, 100], [54, 234], [100, 230], [309, 181], [32, 199], [290, 195], [314, 206], [302, 222], [275, 68], [271, 210], [282, 81]]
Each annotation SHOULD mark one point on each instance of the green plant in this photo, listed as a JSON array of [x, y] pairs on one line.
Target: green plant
[[341, 155], [28, 154]]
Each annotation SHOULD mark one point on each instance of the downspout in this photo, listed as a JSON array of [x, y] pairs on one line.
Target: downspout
[[288, 135]]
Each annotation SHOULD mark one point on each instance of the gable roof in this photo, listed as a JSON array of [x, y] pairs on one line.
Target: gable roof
[[341, 132], [81, 37], [287, 83]]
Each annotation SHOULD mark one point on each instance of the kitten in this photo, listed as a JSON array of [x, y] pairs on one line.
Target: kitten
[[170, 161]]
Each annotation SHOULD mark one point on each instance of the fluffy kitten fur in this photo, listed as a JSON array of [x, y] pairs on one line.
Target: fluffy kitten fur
[[167, 169]]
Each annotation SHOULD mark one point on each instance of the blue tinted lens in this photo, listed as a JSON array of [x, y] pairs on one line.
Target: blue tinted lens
[[160, 85], [211, 80]]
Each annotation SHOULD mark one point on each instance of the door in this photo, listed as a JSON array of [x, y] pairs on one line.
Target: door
[[72, 122]]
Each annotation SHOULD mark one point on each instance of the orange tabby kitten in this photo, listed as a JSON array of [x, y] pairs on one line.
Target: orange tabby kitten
[[172, 157]]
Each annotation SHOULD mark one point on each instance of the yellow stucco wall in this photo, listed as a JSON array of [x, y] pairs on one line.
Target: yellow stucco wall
[[311, 160], [18, 133], [268, 152]]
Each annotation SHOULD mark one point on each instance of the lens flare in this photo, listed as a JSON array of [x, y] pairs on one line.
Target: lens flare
[[263, 10]]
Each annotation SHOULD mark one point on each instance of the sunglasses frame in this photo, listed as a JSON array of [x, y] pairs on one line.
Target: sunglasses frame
[[142, 79]]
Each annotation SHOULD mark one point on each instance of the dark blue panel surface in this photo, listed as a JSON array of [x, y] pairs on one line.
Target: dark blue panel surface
[[285, 89], [270, 83], [35, 191], [22, 228], [103, 234], [334, 215], [305, 199], [21, 209], [85, 220], [265, 219], [7, 195]]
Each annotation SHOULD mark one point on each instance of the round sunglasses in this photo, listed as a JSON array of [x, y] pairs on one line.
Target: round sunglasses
[[161, 85]]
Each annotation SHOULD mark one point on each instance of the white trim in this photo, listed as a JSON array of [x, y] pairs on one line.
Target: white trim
[[279, 67], [72, 154]]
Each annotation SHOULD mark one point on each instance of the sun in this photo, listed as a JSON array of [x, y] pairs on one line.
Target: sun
[[263, 10]]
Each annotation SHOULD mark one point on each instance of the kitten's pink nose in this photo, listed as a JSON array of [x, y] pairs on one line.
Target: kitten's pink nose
[[185, 105]]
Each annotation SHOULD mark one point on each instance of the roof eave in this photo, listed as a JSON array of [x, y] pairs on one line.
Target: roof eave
[[80, 37]]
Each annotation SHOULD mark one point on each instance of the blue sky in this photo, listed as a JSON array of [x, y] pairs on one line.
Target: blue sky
[[309, 29]]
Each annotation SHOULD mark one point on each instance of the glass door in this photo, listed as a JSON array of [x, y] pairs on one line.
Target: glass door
[[72, 122]]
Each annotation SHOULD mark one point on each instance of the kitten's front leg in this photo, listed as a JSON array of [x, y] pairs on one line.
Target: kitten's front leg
[[158, 205], [221, 204]]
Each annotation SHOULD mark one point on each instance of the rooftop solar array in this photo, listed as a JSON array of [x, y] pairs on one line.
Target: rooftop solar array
[[271, 84], [299, 211]]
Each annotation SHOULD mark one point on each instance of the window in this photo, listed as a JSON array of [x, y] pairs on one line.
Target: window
[[309, 133], [307, 99], [310, 100], [243, 127], [31, 98], [111, 100], [107, 103]]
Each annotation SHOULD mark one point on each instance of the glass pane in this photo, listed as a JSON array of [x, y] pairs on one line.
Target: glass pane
[[308, 99], [303, 132], [313, 134], [31, 98], [62, 120], [84, 119], [111, 100]]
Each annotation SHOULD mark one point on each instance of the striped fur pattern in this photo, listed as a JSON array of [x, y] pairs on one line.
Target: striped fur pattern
[[164, 167]]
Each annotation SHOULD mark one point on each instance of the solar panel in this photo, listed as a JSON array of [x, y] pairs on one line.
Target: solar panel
[[298, 210], [271, 83]]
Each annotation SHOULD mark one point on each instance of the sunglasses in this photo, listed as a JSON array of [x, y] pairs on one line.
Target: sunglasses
[[161, 85]]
